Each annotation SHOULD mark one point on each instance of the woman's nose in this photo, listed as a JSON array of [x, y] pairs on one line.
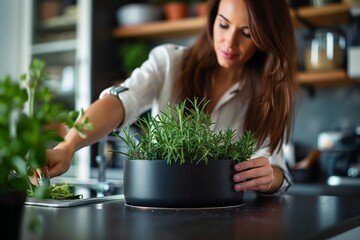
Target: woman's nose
[[231, 39]]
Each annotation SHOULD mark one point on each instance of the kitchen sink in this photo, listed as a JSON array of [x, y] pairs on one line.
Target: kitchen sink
[[92, 191], [92, 187]]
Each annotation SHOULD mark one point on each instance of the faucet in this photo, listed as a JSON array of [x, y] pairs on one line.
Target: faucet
[[101, 159], [102, 186]]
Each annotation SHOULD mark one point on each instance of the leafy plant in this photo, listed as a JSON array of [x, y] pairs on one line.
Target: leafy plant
[[181, 134], [133, 54], [60, 191], [26, 108]]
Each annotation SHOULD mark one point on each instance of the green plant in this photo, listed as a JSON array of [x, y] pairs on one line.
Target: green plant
[[181, 134], [133, 54], [26, 107]]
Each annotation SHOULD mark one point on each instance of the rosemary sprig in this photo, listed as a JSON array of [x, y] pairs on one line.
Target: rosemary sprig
[[181, 134], [58, 191]]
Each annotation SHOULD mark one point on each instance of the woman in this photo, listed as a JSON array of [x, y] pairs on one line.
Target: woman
[[243, 62]]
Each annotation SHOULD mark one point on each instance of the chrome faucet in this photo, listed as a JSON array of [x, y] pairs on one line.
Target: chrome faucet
[[101, 159], [102, 186]]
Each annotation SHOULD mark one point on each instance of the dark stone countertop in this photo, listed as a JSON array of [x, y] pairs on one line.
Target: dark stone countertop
[[291, 216], [325, 189]]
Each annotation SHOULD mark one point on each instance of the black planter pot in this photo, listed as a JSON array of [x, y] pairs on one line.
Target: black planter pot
[[155, 183], [11, 209]]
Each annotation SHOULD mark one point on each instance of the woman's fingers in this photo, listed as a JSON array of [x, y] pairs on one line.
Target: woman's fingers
[[255, 174]]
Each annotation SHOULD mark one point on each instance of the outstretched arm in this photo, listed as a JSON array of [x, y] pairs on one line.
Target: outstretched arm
[[105, 114]]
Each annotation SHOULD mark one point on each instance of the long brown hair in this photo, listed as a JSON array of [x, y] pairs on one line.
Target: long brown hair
[[269, 75]]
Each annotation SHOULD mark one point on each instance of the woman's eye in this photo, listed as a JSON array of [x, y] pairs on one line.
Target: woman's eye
[[223, 26], [246, 34]]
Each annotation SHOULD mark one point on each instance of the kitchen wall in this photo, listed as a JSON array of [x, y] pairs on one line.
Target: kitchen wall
[[324, 108]]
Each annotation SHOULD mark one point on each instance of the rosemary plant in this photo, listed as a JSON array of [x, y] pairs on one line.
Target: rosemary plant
[[181, 134]]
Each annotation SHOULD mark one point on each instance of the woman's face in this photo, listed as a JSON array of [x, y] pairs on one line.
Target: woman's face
[[233, 44]]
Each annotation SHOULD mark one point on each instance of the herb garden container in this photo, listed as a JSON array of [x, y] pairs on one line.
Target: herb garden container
[[155, 183], [178, 160]]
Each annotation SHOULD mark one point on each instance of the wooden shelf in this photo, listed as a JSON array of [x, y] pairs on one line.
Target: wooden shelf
[[332, 77], [325, 16], [329, 15], [162, 29], [332, 14]]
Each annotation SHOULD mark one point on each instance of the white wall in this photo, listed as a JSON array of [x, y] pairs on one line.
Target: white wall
[[14, 37]]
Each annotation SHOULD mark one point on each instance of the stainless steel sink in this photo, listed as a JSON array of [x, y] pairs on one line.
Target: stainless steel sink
[[86, 182], [93, 187], [92, 191], [71, 203]]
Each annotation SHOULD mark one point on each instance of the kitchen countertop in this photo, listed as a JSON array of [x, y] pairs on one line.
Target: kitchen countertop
[[325, 189], [291, 216]]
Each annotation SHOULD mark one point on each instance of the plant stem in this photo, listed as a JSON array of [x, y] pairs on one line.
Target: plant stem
[[31, 101]]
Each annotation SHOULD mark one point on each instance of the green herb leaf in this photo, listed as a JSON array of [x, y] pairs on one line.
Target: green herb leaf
[[181, 134], [26, 107]]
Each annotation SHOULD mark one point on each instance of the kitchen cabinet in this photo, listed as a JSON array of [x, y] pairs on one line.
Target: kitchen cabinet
[[332, 14], [60, 35]]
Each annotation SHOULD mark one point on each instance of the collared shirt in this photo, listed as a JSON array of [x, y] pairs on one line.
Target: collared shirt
[[151, 85]]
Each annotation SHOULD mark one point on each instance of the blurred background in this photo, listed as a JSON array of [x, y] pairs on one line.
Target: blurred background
[[91, 44]]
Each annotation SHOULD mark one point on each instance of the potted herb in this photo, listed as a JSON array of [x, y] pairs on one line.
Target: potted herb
[[133, 54], [25, 111], [200, 7], [179, 161], [175, 9]]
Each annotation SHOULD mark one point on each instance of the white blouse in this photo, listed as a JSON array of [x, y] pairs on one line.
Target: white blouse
[[150, 87]]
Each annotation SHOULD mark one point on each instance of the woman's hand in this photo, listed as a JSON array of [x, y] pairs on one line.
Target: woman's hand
[[257, 175], [58, 161]]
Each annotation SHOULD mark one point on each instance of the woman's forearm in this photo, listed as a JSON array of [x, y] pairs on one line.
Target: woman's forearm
[[105, 114]]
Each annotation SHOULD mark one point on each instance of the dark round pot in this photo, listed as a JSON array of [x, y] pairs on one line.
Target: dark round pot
[[155, 183], [11, 208]]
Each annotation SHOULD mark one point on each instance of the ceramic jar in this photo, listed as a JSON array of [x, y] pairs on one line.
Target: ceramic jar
[[325, 49]]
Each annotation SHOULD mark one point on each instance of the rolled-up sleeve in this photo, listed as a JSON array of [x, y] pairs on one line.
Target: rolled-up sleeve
[[145, 83]]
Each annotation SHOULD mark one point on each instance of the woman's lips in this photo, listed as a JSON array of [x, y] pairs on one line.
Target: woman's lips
[[228, 55]]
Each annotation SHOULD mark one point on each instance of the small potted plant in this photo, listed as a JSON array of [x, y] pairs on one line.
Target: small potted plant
[[133, 54], [200, 7], [26, 110], [179, 161], [175, 9]]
